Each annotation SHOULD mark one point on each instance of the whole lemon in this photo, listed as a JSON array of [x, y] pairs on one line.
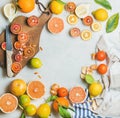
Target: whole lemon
[[43, 110], [95, 89], [100, 14], [56, 7]]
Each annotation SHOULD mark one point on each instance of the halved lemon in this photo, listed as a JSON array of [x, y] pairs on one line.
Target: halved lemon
[[96, 26], [86, 35], [82, 10], [72, 19], [9, 11]]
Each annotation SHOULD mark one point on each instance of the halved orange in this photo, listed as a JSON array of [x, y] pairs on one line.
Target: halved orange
[[55, 25], [72, 19], [8, 103], [77, 95], [35, 89]]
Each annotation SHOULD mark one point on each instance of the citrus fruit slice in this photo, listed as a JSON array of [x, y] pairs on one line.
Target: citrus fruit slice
[[35, 89], [44, 110], [32, 21], [77, 95], [8, 103], [89, 78], [16, 67], [18, 57], [3, 45], [62, 101], [75, 32], [86, 35], [9, 11], [82, 10], [15, 28], [17, 87], [96, 26], [88, 20], [55, 25], [17, 45], [70, 7], [30, 110], [72, 19], [23, 37]]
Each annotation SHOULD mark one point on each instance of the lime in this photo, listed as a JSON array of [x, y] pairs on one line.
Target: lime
[[24, 100], [89, 78], [56, 7], [35, 63], [30, 110], [100, 14], [43, 110], [95, 89]]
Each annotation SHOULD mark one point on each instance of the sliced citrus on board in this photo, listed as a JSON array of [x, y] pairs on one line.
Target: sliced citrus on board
[[88, 20], [72, 19], [55, 25], [75, 32], [17, 45], [86, 35], [70, 7], [89, 78], [35, 89], [33, 21], [17, 87], [23, 37], [96, 26], [16, 67], [82, 10], [77, 95], [10, 11], [8, 103], [15, 28], [18, 57]]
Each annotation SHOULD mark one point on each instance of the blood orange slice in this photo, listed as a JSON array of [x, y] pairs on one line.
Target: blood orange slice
[[35, 89], [17, 45], [70, 7], [23, 37], [32, 21], [16, 67], [15, 28], [75, 32], [55, 25], [8, 103], [18, 57], [77, 95]]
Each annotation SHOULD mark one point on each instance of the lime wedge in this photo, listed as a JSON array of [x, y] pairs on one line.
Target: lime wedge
[[9, 11], [89, 78]]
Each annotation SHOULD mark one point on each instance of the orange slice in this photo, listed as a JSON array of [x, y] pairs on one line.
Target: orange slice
[[96, 26], [72, 19], [55, 25], [77, 95], [15, 28], [23, 37], [8, 103], [88, 20], [86, 35], [35, 89], [75, 32], [16, 67], [17, 45], [70, 7]]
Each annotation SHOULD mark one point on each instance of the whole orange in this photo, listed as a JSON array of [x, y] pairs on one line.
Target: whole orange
[[17, 87], [26, 5], [102, 69], [61, 101], [100, 55], [62, 92]]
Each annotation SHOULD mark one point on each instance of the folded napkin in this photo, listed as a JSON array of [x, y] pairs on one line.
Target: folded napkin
[[108, 103]]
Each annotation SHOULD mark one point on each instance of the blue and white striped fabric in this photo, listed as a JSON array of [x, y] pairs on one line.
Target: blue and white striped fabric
[[82, 110]]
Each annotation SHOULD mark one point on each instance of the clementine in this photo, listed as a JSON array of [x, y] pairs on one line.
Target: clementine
[[62, 92], [26, 5]]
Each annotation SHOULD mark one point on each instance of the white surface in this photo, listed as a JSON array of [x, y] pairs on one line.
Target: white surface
[[62, 56]]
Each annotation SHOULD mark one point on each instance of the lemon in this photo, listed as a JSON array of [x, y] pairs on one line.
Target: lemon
[[43, 110], [96, 26], [30, 110], [35, 62], [82, 10], [56, 7], [72, 19], [86, 35], [95, 89], [24, 100], [100, 14], [9, 11]]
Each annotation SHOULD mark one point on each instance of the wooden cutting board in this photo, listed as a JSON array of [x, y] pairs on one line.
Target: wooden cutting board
[[34, 37]]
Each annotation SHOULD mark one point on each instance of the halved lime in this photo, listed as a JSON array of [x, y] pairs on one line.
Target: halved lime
[[89, 78]]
